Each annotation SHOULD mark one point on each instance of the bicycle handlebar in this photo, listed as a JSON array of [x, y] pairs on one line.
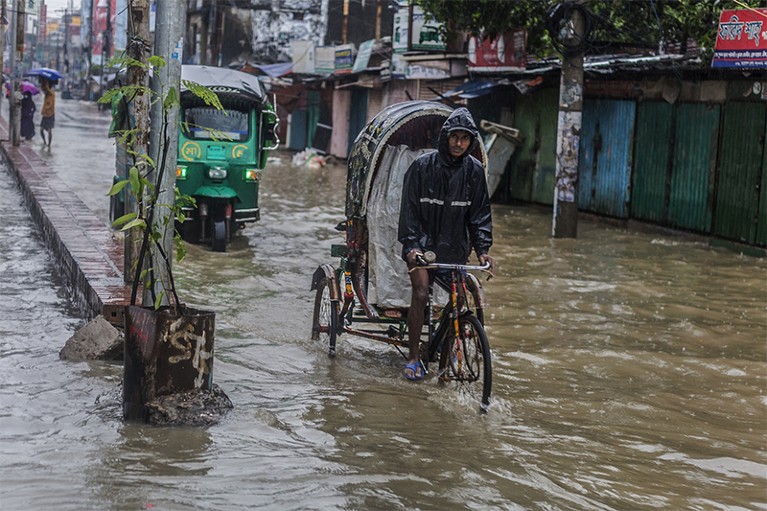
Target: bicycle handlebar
[[446, 266], [426, 261]]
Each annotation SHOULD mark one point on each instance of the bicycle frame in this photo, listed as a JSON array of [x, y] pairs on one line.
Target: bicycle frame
[[456, 286], [395, 318]]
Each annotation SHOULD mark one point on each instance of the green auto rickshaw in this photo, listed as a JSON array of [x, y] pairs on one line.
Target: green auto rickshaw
[[221, 153]]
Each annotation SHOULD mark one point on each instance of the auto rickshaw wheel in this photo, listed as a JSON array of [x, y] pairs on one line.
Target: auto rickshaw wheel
[[189, 230], [219, 236], [325, 318]]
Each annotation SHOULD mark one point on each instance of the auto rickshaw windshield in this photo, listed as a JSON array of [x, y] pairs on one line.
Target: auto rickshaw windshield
[[206, 123]]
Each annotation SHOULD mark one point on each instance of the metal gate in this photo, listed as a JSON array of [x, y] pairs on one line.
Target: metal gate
[[740, 193], [605, 157], [693, 166], [652, 154]]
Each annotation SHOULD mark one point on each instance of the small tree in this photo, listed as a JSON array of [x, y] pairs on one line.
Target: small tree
[[145, 190]]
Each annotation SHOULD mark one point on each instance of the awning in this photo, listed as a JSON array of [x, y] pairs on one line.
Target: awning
[[471, 89], [272, 70]]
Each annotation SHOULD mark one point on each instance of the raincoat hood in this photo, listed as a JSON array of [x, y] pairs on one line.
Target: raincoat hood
[[460, 119]]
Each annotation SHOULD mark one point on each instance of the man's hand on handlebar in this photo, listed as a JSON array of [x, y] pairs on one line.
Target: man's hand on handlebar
[[486, 259], [413, 257]]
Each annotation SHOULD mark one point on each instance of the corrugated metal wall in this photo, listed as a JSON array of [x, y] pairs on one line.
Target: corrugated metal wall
[[741, 173], [530, 173], [674, 170], [694, 163], [652, 152], [606, 156]]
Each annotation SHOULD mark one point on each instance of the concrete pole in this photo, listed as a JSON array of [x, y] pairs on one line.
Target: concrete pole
[[565, 221], [3, 23], [13, 110], [169, 41], [138, 49]]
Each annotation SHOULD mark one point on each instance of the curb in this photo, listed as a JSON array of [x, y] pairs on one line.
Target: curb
[[87, 254]]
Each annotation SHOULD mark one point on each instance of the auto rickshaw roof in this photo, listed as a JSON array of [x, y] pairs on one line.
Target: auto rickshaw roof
[[227, 83]]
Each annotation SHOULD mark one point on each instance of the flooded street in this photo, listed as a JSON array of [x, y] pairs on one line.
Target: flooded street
[[629, 373]]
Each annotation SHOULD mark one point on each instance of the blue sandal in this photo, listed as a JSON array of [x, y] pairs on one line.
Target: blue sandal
[[415, 371]]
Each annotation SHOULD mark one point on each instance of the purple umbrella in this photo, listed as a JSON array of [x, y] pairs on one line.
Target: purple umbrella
[[25, 87]]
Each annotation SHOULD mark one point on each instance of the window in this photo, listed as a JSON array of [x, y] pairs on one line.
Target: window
[[208, 123]]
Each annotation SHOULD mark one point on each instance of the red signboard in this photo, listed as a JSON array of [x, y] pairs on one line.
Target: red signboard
[[43, 21], [505, 52], [741, 39]]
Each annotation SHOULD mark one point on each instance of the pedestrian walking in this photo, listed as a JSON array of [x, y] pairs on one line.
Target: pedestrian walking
[[48, 111], [27, 116]]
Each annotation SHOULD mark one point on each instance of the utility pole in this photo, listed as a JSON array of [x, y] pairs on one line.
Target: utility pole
[[572, 34], [170, 21], [138, 48], [17, 49], [345, 26], [3, 23]]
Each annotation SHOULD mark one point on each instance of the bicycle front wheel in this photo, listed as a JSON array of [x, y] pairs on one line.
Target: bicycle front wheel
[[467, 359]]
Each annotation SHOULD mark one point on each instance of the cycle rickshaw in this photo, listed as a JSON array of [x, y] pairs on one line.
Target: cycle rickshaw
[[368, 294]]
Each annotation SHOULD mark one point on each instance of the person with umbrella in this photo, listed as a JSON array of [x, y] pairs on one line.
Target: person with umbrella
[[27, 116], [48, 111]]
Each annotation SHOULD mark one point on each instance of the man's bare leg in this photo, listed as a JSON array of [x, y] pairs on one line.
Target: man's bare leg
[[419, 280]]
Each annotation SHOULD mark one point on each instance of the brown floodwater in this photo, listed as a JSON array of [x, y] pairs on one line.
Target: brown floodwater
[[629, 373]]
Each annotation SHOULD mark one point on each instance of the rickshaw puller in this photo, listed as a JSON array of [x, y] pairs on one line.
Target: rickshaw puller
[[446, 209]]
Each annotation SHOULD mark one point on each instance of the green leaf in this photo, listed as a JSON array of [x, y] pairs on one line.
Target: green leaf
[[108, 96], [158, 300], [180, 247], [138, 222], [117, 187], [124, 219], [171, 99], [135, 181], [157, 62], [204, 93]]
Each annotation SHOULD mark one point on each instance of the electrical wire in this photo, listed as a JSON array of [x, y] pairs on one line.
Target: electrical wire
[[558, 19]]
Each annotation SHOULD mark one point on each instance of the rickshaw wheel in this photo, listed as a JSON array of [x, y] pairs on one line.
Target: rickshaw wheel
[[219, 236], [325, 318]]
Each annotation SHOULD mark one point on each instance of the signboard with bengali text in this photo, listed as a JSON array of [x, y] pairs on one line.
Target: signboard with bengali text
[[741, 39], [505, 52]]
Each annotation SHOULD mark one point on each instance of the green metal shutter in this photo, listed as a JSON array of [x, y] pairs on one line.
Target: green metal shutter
[[741, 174], [544, 177], [651, 161], [761, 231], [694, 161], [530, 173], [358, 114]]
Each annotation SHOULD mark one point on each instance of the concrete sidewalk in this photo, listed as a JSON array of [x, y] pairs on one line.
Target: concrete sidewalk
[[86, 251]]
